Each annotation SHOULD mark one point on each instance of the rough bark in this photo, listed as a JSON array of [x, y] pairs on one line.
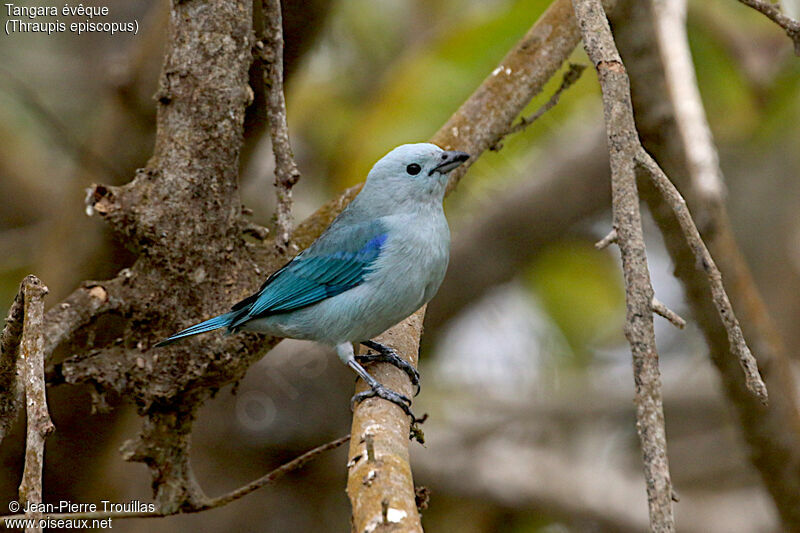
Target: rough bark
[[9, 355], [623, 144]]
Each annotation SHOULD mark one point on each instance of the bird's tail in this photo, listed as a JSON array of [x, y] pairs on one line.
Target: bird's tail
[[217, 322]]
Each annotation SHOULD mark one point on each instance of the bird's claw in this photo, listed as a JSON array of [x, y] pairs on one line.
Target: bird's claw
[[401, 401], [387, 355]]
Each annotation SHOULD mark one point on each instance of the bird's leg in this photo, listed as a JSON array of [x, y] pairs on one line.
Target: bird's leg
[[388, 355], [346, 354]]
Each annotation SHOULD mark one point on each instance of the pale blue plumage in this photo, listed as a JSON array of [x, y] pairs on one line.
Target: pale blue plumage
[[379, 261]]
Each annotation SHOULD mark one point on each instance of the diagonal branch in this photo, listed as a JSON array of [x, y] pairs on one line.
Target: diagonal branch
[[571, 75], [676, 202], [773, 12], [185, 247], [623, 146], [214, 503]]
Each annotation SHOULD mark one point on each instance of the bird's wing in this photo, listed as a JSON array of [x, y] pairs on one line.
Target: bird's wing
[[337, 262]]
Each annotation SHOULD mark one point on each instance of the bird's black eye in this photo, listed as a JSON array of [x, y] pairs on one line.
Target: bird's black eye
[[413, 169]]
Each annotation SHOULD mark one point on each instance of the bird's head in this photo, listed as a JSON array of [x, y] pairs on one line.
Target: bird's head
[[414, 172]]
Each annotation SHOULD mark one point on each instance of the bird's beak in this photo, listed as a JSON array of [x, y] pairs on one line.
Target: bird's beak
[[449, 161]]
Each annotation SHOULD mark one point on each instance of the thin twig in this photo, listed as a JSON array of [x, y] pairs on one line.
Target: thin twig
[[773, 12], [623, 146], [572, 74], [32, 375], [607, 241], [214, 503], [286, 172], [294, 464], [735, 336], [662, 310]]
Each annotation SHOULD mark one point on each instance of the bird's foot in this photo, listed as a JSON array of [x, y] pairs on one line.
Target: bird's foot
[[378, 390], [388, 355]]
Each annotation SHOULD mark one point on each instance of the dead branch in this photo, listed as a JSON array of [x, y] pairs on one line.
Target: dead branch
[[681, 82], [623, 146], [214, 503], [738, 346], [773, 12], [23, 337], [772, 434], [32, 376], [286, 173], [608, 240]]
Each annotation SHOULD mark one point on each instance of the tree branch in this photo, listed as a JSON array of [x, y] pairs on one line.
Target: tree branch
[[773, 12], [662, 310], [735, 336], [79, 308], [571, 75], [623, 146], [214, 503], [378, 468], [286, 172], [181, 214], [32, 376], [681, 82]]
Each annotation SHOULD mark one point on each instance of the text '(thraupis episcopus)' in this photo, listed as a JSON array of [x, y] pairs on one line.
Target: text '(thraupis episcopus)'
[[77, 19]]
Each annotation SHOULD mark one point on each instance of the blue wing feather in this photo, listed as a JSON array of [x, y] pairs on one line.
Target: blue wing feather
[[329, 267], [333, 264]]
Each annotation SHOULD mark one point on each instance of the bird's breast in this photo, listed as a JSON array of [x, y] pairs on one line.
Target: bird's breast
[[413, 263]]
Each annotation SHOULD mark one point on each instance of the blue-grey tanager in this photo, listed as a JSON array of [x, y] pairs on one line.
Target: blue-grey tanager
[[380, 260]]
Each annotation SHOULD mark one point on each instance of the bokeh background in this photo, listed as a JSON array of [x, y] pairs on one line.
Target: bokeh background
[[526, 374]]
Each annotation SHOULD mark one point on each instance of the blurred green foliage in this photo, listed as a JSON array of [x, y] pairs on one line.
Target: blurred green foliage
[[581, 289]]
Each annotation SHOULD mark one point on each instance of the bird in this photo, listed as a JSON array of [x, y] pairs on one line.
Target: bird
[[382, 258]]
